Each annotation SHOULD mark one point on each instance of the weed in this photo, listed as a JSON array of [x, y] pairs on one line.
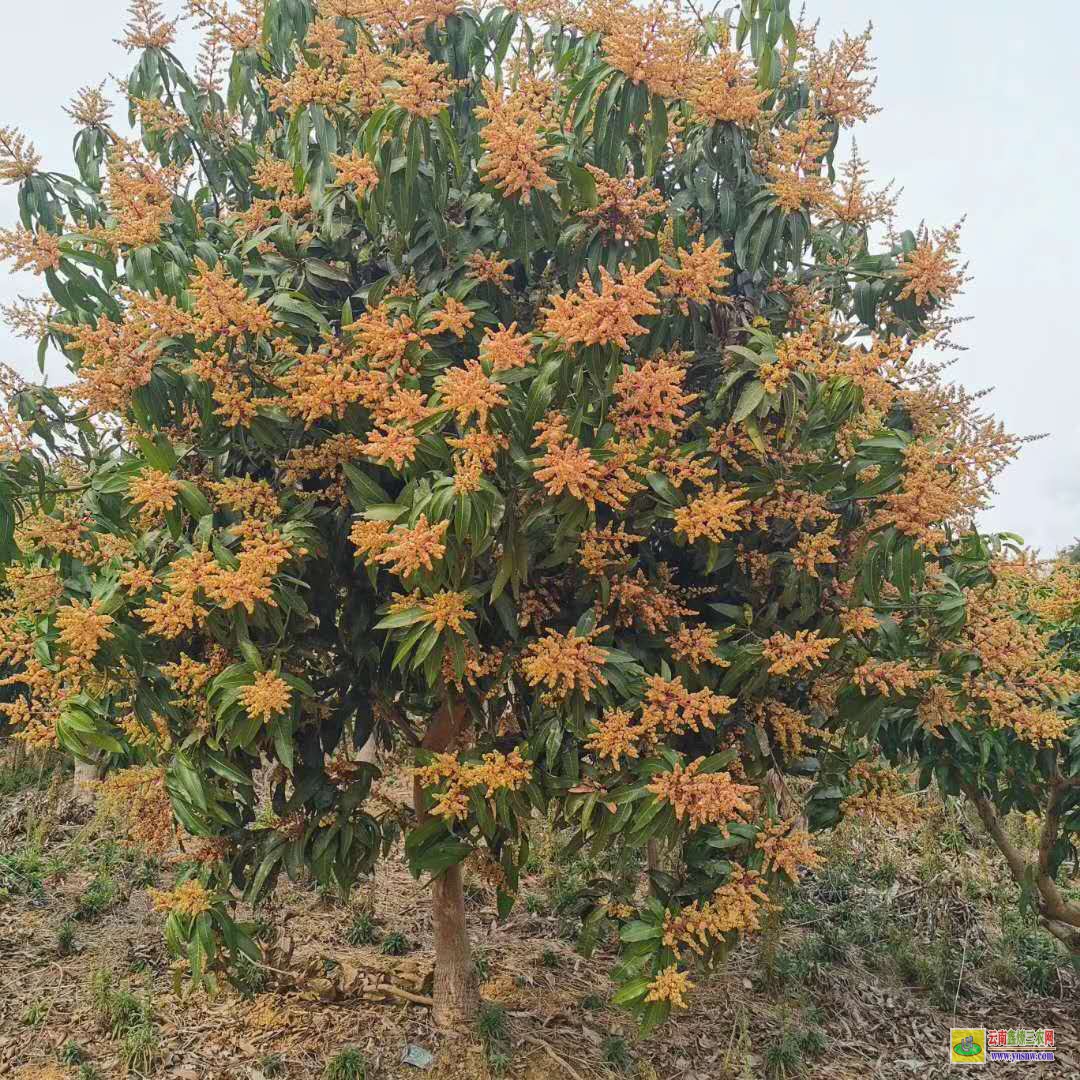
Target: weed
[[535, 904], [71, 1053], [783, 1056], [482, 964], [88, 1072], [248, 978], [22, 872], [395, 944], [97, 897], [592, 1001], [549, 958], [813, 1041], [65, 938], [271, 1065], [117, 1009], [141, 1047], [35, 1014], [362, 930], [498, 1061], [617, 1054], [491, 1023], [15, 778], [349, 1064], [494, 1033]]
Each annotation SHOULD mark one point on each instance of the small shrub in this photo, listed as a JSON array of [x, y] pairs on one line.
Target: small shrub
[[349, 1064], [617, 1054], [35, 1014], [271, 1065], [71, 1053], [494, 1033], [97, 897], [395, 944], [248, 978], [141, 1047], [65, 938], [362, 930], [491, 1023], [783, 1056], [482, 964]]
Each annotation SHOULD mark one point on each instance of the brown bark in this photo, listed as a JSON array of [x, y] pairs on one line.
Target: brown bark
[[456, 994], [1059, 917]]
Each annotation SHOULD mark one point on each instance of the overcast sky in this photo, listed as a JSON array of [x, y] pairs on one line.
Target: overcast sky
[[979, 119]]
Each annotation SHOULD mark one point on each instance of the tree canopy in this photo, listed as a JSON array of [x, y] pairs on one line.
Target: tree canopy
[[524, 384]]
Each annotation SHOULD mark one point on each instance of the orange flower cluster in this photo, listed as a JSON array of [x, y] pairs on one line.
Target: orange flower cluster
[[139, 195], [602, 547], [840, 79], [884, 796], [495, 772], [505, 349], [154, 492], [37, 251], [564, 663], [147, 27], [704, 798], [242, 495], [794, 165], [448, 608], [788, 725], [356, 171], [190, 899], [670, 985], [623, 208], [82, 629], [567, 466], [607, 317], [650, 399], [268, 696], [890, 678], [698, 276], [671, 708], [1021, 681], [515, 151], [803, 651], [712, 514], [18, 158], [616, 736], [696, 646], [736, 907], [489, 268], [469, 391], [723, 90], [651, 45], [933, 270], [788, 849], [405, 550], [423, 86], [138, 795]]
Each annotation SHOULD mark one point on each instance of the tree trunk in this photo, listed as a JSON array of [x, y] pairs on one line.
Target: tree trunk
[[369, 752], [87, 773], [456, 995]]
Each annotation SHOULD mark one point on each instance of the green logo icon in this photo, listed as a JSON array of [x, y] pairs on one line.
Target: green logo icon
[[967, 1047]]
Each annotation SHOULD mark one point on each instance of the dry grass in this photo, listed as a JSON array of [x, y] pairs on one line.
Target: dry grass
[[858, 976]]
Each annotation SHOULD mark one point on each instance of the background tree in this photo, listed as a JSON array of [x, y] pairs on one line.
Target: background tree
[[524, 389]]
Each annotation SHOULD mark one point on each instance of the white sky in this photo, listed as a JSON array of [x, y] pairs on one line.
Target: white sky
[[978, 119]]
